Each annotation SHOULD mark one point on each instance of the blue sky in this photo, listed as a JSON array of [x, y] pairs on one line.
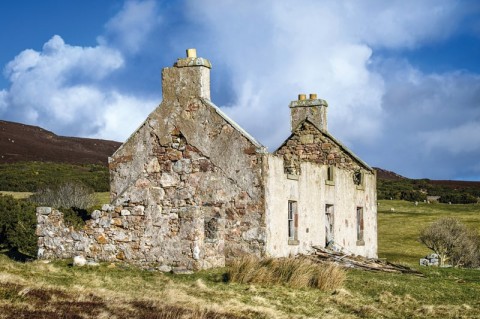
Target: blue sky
[[402, 78]]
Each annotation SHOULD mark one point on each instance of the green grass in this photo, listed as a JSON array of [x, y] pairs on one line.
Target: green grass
[[398, 230], [102, 198]]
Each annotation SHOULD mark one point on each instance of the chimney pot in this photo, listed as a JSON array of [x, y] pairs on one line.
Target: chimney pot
[[191, 53], [313, 96], [302, 97]]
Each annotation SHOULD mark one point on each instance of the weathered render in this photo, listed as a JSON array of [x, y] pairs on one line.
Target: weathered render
[[191, 189]]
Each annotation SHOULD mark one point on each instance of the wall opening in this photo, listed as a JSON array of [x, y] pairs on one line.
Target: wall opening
[[360, 224], [330, 175], [329, 225], [292, 223]]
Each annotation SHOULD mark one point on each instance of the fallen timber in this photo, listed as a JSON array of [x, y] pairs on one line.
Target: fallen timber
[[321, 254]]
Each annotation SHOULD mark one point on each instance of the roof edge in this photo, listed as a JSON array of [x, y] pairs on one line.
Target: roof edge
[[262, 148]]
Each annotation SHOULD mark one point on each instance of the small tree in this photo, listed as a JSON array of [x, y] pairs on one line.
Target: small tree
[[17, 225], [452, 241], [66, 195]]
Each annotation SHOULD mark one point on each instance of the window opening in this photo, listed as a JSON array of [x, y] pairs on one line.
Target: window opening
[[329, 225], [292, 220], [359, 225]]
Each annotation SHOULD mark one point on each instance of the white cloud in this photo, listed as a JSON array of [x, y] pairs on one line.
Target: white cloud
[[130, 28], [464, 138], [3, 100], [399, 23], [387, 111], [61, 88], [280, 49]]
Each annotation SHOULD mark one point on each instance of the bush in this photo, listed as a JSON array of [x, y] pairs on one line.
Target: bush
[[293, 272], [453, 242], [458, 199], [17, 225], [75, 217], [66, 195]]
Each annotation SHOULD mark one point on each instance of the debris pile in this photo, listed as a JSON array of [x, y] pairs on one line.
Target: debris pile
[[350, 261]]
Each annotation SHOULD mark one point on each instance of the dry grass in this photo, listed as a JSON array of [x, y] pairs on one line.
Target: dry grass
[[17, 195], [293, 272]]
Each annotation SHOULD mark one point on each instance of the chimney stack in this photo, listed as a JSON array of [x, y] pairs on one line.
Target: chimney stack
[[313, 109], [189, 77]]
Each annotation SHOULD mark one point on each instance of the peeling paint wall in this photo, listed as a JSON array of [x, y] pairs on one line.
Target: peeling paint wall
[[312, 193]]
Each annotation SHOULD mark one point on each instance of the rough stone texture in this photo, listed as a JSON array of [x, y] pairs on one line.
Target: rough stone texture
[[196, 174], [190, 189], [308, 144], [107, 237], [314, 110]]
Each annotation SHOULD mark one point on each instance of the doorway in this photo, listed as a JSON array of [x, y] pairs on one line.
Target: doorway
[[329, 225]]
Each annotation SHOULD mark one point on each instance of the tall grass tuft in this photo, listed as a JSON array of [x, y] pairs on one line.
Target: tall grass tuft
[[293, 272]]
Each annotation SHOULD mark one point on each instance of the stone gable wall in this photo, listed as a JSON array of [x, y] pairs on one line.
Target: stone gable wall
[[308, 144], [198, 184]]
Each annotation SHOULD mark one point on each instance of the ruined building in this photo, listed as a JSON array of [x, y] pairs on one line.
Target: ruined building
[[192, 189]]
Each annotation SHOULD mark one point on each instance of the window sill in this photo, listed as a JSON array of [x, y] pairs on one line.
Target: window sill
[[331, 183], [360, 187], [360, 243], [293, 242], [292, 176]]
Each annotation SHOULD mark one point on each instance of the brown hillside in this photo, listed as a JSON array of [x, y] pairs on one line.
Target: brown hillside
[[389, 175], [21, 142]]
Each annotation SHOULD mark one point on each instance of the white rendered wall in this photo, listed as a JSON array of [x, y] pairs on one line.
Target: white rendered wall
[[312, 194]]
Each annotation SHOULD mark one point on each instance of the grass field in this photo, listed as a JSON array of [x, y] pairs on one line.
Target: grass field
[[398, 230], [40, 290]]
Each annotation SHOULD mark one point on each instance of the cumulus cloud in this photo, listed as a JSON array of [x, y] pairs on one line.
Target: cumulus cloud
[[74, 90], [130, 28], [61, 88], [432, 122], [391, 114]]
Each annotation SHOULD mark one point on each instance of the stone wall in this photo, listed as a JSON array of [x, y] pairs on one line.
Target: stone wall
[[121, 233], [308, 144]]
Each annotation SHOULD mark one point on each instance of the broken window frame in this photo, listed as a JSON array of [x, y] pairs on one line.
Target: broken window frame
[[358, 179]]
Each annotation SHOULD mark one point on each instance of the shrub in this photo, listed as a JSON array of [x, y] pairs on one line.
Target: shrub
[[17, 225], [74, 217], [453, 242], [68, 195], [293, 272], [458, 199]]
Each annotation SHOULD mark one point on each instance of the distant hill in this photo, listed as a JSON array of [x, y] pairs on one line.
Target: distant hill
[[26, 143], [22, 144], [388, 175], [391, 185]]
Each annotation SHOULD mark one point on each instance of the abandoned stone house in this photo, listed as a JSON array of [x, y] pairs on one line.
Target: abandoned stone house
[[192, 189]]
